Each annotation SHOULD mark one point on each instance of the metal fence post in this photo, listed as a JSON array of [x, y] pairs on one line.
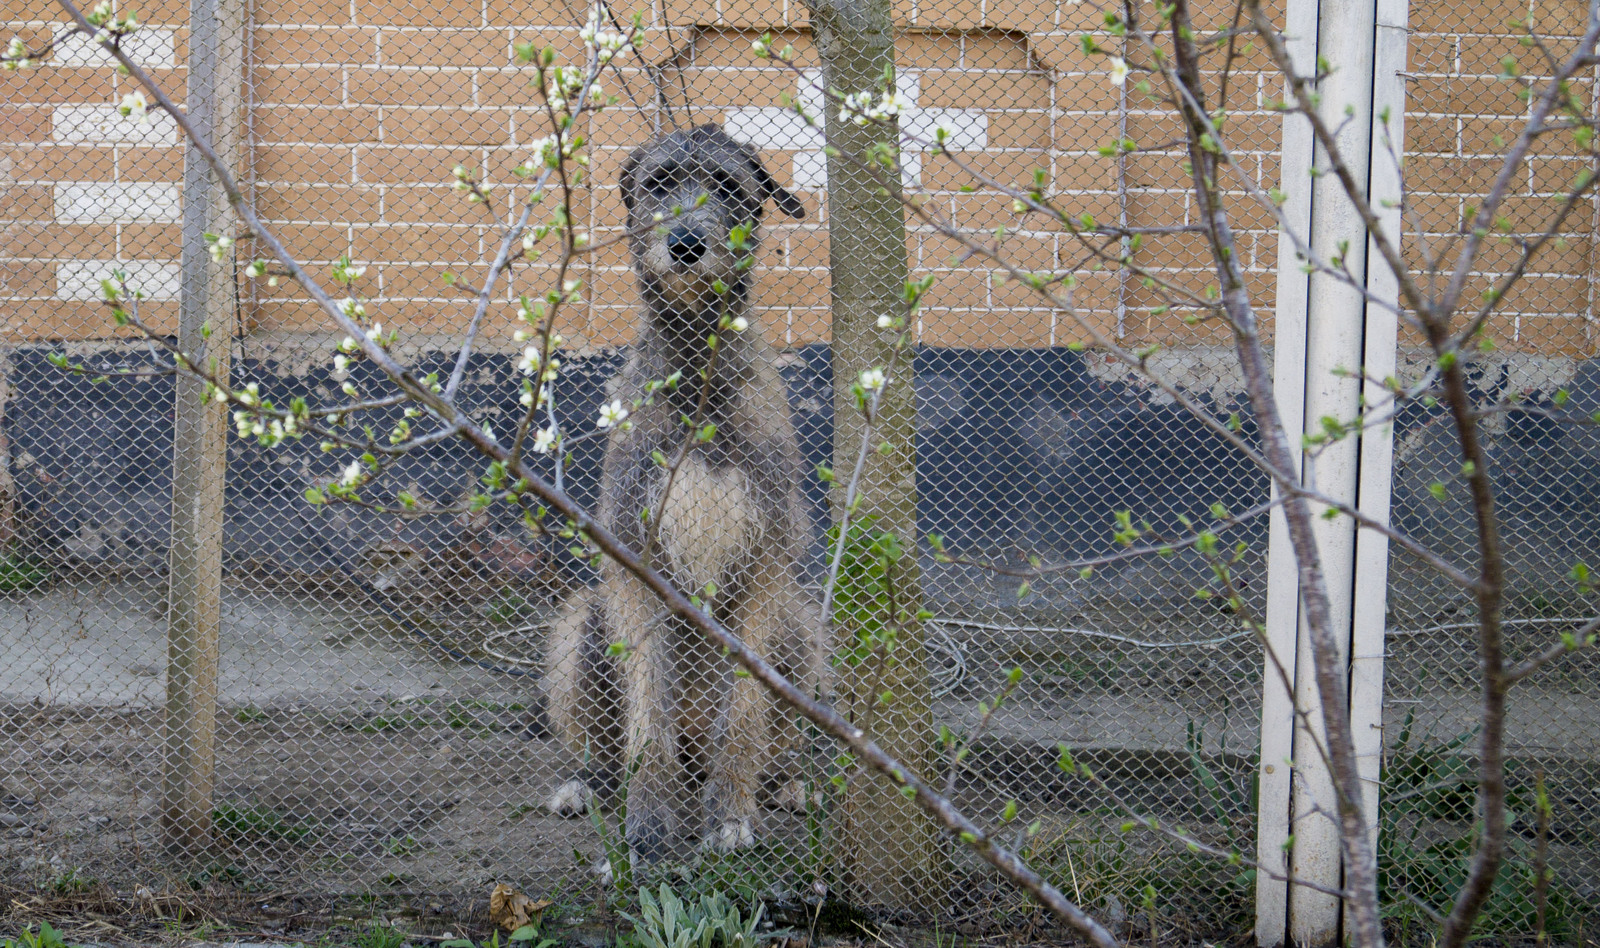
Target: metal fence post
[[1324, 326], [207, 308]]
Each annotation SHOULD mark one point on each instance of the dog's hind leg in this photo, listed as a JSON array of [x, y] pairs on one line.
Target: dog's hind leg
[[633, 615]]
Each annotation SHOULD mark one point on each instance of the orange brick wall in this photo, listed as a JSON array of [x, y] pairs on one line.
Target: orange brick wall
[[360, 110]]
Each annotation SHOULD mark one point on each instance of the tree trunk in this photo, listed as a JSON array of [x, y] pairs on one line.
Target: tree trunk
[[888, 853]]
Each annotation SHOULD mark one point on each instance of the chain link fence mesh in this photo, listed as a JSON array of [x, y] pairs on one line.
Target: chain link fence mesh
[[1460, 114], [385, 683]]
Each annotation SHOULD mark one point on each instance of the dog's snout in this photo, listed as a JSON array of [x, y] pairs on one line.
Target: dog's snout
[[686, 245]]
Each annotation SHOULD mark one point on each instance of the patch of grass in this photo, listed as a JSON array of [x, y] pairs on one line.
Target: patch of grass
[[219, 874], [1431, 779], [255, 822], [47, 937], [1422, 866], [1099, 859], [511, 608], [378, 935], [71, 882], [249, 715], [22, 573]]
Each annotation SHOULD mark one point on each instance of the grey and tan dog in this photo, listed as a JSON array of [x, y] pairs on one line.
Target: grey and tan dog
[[669, 711]]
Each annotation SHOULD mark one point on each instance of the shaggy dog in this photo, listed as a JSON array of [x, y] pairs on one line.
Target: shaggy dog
[[638, 694]]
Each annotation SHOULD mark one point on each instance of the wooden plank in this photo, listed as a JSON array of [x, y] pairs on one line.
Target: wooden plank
[[207, 302], [1283, 580]]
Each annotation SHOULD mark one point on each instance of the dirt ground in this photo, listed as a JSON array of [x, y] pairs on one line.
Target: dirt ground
[[354, 762]]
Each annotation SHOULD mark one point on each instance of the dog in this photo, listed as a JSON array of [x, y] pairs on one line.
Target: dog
[[641, 696]]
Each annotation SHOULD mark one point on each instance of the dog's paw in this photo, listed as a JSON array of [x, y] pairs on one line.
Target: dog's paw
[[731, 835], [570, 799], [602, 871]]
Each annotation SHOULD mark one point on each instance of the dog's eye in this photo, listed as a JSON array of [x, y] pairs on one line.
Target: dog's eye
[[728, 191], [658, 183]]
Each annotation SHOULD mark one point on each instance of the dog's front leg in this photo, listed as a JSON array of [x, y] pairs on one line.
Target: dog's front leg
[[760, 609], [648, 718]]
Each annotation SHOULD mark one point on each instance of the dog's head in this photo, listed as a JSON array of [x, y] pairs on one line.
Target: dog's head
[[685, 192]]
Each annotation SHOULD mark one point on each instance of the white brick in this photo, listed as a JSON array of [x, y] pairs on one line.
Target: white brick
[[103, 124], [107, 203], [811, 170], [151, 48], [968, 129], [80, 279], [771, 127]]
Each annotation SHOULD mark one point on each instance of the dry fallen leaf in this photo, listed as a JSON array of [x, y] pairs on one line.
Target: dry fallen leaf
[[511, 910]]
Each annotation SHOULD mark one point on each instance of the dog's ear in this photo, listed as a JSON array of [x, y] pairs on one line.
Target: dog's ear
[[629, 167], [787, 202]]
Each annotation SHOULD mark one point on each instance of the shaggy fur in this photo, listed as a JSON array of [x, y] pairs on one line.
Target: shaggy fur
[[670, 711]]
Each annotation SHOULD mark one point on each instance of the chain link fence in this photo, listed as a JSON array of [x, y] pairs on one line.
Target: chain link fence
[[390, 685]]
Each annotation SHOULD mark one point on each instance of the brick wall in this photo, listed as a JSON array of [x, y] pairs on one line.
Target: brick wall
[[360, 110], [1462, 115]]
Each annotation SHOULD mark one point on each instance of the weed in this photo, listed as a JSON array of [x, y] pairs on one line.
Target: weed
[[71, 882], [614, 844], [47, 937], [400, 845], [218, 874], [1421, 866], [378, 935], [1431, 780], [255, 822], [22, 573], [1087, 856], [517, 939], [511, 608], [249, 714], [673, 923]]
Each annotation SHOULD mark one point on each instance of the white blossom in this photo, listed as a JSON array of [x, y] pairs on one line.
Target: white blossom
[[885, 321], [605, 43], [739, 324], [612, 414], [568, 81], [1119, 70], [135, 106], [16, 56], [544, 440], [872, 380], [352, 474], [532, 358], [861, 108]]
